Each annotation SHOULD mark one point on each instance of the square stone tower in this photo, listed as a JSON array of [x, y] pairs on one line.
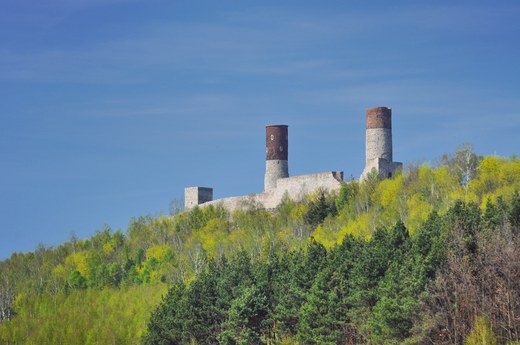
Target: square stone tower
[[194, 196]]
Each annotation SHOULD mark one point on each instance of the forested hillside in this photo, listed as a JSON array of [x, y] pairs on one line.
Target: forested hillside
[[430, 256]]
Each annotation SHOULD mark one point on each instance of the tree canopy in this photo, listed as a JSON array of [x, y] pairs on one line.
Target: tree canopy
[[416, 258]]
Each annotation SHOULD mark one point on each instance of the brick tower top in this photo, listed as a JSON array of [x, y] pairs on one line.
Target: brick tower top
[[277, 142], [379, 117]]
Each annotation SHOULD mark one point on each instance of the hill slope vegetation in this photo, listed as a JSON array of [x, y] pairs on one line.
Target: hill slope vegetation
[[432, 255]]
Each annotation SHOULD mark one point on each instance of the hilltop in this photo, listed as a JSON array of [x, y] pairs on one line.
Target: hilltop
[[387, 254]]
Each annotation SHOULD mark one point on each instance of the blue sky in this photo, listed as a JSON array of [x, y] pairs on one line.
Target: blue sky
[[109, 108]]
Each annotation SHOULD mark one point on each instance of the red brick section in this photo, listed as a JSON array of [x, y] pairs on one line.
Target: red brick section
[[277, 142], [380, 117]]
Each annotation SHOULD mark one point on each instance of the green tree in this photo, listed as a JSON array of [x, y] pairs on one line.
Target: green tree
[[347, 195], [245, 318], [76, 280], [514, 212], [168, 323], [319, 209], [317, 323]]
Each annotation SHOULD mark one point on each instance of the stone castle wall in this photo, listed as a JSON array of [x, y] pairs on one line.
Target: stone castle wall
[[277, 182], [383, 168], [296, 187]]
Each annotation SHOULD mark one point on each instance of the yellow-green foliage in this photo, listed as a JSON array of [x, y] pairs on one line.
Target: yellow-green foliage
[[481, 334], [108, 316], [166, 249], [357, 226], [325, 235], [388, 197], [78, 261], [158, 252], [497, 177], [413, 195]]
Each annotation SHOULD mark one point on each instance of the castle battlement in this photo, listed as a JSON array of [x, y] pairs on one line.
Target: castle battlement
[[278, 183], [295, 187]]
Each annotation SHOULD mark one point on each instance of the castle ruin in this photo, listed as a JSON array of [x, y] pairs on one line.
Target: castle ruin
[[278, 183]]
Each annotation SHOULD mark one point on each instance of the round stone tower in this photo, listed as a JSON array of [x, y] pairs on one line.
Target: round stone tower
[[379, 144], [277, 154], [379, 134]]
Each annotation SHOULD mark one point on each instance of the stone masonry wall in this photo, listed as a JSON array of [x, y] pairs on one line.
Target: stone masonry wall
[[197, 195], [296, 187], [383, 168], [378, 144], [275, 170]]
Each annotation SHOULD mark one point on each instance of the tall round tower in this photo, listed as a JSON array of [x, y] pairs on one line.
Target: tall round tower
[[379, 144], [379, 134], [277, 154]]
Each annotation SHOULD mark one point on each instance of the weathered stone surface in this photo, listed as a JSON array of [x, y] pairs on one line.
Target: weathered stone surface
[[196, 196], [275, 170], [277, 183], [378, 144], [383, 168], [378, 155], [296, 187]]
